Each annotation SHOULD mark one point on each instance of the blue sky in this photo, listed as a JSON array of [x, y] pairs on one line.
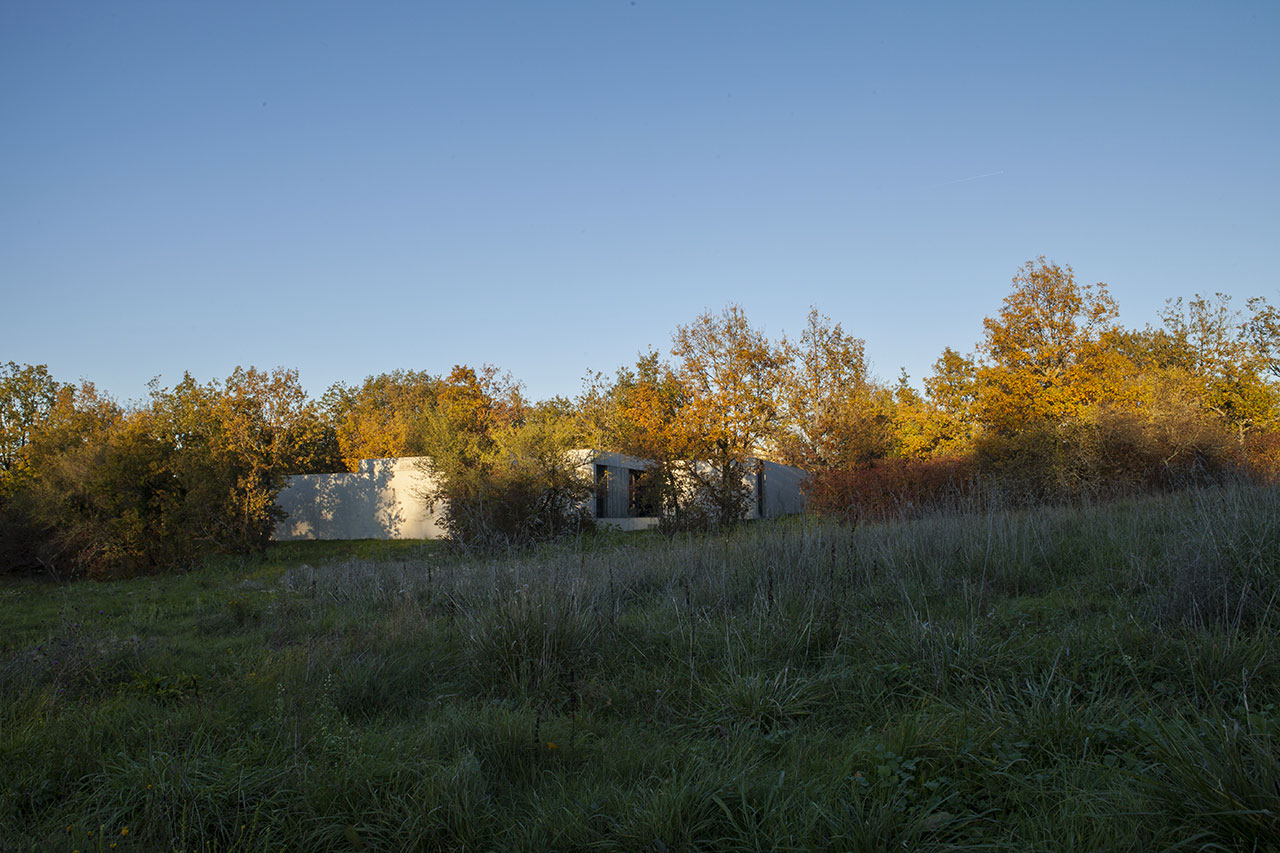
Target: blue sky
[[552, 187]]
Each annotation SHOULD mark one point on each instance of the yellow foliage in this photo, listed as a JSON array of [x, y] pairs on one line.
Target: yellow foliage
[[1049, 352]]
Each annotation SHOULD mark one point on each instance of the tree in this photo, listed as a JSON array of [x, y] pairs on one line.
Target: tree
[[27, 395], [383, 416], [1264, 334], [41, 492], [942, 424], [1226, 355], [1047, 352], [835, 416], [639, 413], [193, 471], [261, 431], [953, 386], [733, 379]]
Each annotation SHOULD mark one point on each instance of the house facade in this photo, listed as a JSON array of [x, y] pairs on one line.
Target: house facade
[[773, 490], [386, 498]]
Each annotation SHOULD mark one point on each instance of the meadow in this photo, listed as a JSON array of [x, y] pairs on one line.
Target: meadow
[[1098, 677]]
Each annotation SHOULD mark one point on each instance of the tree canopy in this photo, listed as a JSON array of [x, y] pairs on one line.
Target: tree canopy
[[1057, 399]]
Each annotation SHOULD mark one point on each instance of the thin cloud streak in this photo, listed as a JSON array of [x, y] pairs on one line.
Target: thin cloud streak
[[973, 178]]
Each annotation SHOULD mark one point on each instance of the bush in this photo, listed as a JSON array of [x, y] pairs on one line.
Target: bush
[[1260, 456], [509, 484], [110, 493], [892, 488], [1106, 453]]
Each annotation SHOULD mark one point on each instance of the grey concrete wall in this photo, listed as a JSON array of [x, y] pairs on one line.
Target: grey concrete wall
[[383, 500], [617, 488], [783, 489]]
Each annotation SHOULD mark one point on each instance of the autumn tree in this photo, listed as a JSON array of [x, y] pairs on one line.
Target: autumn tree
[[638, 413], [946, 422], [263, 427], [953, 385], [1047, 353], [1264, 334], [835, 415], [383, 416], [65, 427], [733, 379], [194, 470]]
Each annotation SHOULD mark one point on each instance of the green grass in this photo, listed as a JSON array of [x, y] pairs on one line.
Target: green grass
[[1097, 678]]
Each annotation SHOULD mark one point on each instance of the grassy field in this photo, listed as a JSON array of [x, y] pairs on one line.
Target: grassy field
[[1100, 678]]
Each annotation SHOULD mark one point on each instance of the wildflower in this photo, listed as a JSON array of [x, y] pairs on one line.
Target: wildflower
[[124, 831], [551, 745]]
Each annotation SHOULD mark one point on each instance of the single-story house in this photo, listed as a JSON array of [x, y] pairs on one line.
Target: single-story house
[[384, 499]]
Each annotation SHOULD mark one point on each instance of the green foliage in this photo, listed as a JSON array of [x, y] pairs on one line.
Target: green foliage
[[503, 473], [1220, 772], [835, 415], [28, 395]]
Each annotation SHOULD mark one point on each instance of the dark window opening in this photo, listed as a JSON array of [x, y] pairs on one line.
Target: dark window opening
[[602, 491], [760, 504], [641, 502]]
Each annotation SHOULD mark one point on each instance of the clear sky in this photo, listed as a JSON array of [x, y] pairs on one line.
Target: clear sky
[[349, 188]]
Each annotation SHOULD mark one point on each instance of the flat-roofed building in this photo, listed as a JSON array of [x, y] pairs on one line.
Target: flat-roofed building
[[386, 498]]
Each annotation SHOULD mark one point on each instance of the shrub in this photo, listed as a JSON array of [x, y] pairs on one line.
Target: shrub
[[197, 470], [510, 484], [892, 488], [1260, 456], [1105, 453]]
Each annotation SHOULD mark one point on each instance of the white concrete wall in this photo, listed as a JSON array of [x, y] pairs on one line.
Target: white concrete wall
[[383, 500]]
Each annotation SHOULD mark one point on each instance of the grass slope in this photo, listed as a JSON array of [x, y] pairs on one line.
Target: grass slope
[[1082, 679]]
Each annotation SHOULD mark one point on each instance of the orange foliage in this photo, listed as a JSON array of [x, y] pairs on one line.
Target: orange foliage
[[1050, 350], [1260, 456]]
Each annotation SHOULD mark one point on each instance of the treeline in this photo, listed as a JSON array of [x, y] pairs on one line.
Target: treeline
[[1057, 401]]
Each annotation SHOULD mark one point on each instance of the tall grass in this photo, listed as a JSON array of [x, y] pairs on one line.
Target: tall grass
[[1099, 677]]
